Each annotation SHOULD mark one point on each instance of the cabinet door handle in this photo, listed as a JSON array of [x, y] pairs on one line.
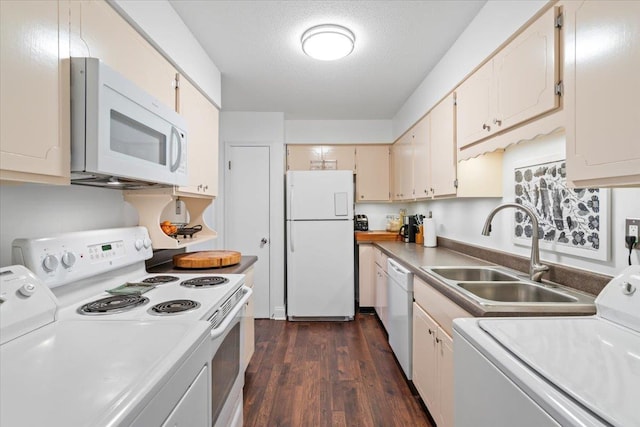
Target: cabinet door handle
[[430, 331], [497, 122], [438, 340], [486, 127]]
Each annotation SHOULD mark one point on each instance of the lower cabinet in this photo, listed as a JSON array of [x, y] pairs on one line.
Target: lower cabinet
[[433, 315], [366, 276], [382, 306], [249, 345], [433, 366]]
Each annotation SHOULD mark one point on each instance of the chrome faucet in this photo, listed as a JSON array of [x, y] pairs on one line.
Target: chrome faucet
[[536, 270]]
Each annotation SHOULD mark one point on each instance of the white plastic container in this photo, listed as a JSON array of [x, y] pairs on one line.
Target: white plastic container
[[429, 227]]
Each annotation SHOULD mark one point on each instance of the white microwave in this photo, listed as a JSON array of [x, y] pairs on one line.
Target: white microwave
[[121, 136]]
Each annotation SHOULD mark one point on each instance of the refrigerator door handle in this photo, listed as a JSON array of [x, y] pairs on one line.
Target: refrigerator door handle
[[291, 236], [291, 202]]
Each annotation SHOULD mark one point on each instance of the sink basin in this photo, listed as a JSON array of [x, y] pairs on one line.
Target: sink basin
[[505, 290], [519, 292], [473, 274]]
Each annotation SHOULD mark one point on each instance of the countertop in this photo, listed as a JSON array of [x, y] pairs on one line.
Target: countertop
[[246, 261], [413, 256], [376, 236]]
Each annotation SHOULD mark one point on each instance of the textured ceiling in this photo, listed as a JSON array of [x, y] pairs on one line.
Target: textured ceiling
[[256, 46]]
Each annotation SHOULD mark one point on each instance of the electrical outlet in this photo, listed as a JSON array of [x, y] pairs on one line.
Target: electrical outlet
[[632, 228]]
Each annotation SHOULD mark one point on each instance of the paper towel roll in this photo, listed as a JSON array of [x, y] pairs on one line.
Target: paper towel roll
[[430, 233]]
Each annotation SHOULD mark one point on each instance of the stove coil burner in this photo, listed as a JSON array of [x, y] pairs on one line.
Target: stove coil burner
[[174, 307], [204, 282], [113, 304], [160, 279]]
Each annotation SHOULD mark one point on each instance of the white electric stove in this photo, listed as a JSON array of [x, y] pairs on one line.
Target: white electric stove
[[557, 371], [145, 353]]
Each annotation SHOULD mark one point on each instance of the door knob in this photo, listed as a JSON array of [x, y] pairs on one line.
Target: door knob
[[263, 242]]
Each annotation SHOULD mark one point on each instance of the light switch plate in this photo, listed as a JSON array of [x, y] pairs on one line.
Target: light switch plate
[[632, 228]]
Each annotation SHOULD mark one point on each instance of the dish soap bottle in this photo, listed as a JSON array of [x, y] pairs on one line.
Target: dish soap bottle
[[430, 238]]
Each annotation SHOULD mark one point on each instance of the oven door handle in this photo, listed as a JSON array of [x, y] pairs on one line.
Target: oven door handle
[[222, 327]]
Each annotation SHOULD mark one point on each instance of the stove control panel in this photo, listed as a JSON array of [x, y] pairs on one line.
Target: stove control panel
[[65, 258], [619, 301], [27, 303]]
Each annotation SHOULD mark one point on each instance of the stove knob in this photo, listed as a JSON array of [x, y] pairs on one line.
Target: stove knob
[[138, 244], [628, 288], [50, 263], [68, 259], [27, 289], [147, 243]]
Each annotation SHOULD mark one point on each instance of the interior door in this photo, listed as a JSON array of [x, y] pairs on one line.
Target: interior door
[[247, 214]]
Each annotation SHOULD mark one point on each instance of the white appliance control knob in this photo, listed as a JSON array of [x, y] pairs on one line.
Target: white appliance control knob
[[27, 289], [139, 244], [68, 259], [50, 263], [147, 243], [628, 288]]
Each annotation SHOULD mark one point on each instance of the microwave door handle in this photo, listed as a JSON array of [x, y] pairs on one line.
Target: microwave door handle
[[175, 139]]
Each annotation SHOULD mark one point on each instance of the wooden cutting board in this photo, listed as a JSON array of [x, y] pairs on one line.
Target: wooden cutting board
[[207, 259]]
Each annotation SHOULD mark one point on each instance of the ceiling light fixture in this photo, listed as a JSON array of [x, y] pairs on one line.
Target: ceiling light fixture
[[328, 42]]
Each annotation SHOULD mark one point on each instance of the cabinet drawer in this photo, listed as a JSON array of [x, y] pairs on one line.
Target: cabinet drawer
[[381, 259], [439, 307]]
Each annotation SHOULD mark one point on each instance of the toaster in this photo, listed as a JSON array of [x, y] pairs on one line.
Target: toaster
[[361, 223]]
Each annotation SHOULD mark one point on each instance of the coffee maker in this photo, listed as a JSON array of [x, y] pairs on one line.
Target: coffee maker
[[409, 229]]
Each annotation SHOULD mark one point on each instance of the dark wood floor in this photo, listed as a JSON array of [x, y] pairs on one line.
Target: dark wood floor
[[327, 374]]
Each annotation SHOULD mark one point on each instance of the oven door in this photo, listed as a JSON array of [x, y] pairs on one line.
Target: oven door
[[227, 367]]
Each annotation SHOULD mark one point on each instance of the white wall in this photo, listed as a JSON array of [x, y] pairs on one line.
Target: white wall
[[161, 25], [260, 129], [338, 131], [463, 219], [32, 210], [494, 24], [377, 212]]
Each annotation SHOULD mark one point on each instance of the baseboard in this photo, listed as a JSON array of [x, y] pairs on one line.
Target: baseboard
[[279, 314]]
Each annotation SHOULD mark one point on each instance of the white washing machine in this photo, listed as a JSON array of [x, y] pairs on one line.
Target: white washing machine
[[555, 371]]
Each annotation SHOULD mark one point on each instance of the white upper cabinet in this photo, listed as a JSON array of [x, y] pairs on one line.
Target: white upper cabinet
[[34, 84], [372, 173], [443, 148], [475, 106], [97, 30], [516, 85], [321, 157], [339, 157], [526, 72], [422, 161], [402, 160], [602, 76], [202, 124]]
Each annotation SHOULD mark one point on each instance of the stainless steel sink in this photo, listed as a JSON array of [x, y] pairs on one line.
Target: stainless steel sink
[[473, 274], [515, 292], [507, 290]]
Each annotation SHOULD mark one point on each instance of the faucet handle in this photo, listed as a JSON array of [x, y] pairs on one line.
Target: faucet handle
[[537, 270]]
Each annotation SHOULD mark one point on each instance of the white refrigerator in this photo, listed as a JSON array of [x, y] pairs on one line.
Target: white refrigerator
[[320, 257]]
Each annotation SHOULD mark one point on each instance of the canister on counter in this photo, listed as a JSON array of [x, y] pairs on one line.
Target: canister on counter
[[420, 235]]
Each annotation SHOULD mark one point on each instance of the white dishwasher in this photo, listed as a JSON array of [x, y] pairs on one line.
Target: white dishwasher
[[400, 300]]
